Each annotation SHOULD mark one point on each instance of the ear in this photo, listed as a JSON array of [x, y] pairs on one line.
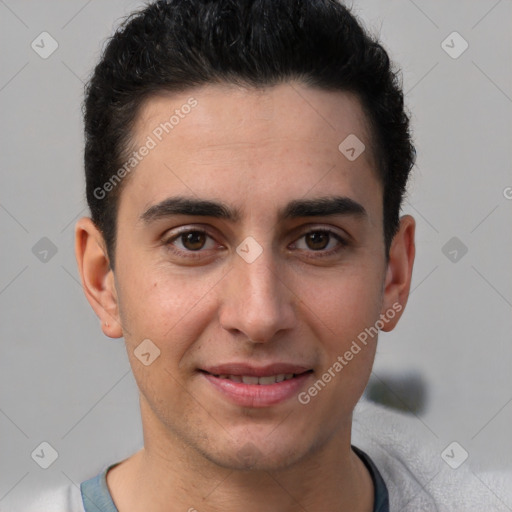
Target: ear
[[97, 276], [399, 272]]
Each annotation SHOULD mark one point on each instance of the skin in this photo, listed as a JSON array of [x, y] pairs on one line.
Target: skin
[[254, 150]]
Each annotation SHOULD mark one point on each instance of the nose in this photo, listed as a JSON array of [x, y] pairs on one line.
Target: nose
[[257, 303]]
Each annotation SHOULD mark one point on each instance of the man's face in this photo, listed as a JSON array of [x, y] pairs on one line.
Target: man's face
[[258, 288]]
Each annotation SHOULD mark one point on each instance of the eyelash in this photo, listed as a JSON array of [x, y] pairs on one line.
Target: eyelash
[[342, 243], [185, 253]]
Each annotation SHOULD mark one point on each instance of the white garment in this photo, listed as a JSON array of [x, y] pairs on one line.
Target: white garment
[[410, 462], [408, 457]]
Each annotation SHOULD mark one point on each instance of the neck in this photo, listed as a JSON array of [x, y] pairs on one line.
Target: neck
[[169, 476]]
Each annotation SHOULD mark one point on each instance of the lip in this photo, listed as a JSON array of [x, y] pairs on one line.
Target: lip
[[257, 395]]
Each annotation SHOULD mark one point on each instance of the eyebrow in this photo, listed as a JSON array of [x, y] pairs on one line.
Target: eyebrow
[[318, 207]]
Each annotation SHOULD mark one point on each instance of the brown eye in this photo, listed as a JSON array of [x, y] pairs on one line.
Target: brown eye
[[317, 240], [320, 243], [193, 240], [192, 243]]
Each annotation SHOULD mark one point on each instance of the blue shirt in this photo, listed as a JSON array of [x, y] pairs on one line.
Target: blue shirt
[[97, 498]]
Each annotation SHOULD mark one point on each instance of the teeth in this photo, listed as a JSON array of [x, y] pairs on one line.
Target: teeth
[[271, 379], [249, 379], [263, 381]]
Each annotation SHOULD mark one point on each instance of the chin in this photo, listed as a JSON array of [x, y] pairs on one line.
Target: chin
[[255, 456]]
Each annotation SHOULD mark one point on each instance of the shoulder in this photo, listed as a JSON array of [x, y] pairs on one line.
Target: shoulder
[[408, 456], [66, 498]]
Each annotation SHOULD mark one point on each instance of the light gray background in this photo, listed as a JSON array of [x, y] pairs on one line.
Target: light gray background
[[63, 382]]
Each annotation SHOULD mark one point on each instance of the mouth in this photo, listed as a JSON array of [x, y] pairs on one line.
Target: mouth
[[248, 386], [260, 381]]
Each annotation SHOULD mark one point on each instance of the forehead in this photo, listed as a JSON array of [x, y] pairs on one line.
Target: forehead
[[227, 114], [224, 139]]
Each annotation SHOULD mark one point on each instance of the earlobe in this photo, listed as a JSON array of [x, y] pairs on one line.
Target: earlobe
[[97, 276], [399, 272]]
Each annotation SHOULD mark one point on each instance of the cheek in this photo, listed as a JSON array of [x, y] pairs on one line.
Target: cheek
[[172, 311], [342, 311], [169, 308], [343, 304]]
